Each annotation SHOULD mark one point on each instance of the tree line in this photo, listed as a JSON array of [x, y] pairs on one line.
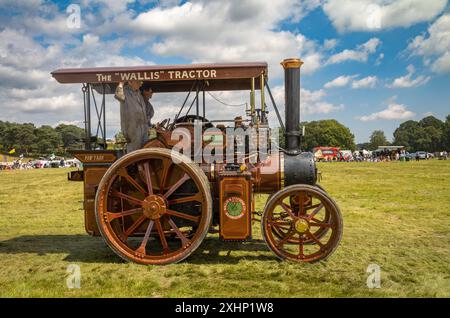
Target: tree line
[[429, 134], [30, 140]]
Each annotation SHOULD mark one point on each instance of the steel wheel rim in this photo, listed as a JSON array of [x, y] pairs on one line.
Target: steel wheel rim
[[156, 225], [297, 251], [319, 233]]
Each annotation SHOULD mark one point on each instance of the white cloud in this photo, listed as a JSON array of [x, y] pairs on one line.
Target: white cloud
[[340, 81], [394, 111], [311, 102], [197, 31], [434, 47], [46, 104], [366, 82], [68, 122], [379, 59], [28, 91], [407, 81], [343, 81], [360, 54], [370, 15]]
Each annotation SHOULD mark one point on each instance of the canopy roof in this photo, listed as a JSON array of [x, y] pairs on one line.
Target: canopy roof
[[171, 78], [390, 147]]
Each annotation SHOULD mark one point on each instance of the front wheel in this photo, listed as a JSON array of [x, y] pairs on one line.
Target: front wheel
[[300, 224]]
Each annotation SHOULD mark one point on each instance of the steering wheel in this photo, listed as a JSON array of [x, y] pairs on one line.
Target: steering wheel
[[191, 118]]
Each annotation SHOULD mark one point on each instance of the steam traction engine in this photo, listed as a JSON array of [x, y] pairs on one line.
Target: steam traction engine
[[155, 205]]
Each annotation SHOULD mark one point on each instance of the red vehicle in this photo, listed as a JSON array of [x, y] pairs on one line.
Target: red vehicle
[[327, 153]]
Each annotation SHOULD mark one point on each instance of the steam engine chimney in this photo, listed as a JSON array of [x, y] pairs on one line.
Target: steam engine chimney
[[292, 102]]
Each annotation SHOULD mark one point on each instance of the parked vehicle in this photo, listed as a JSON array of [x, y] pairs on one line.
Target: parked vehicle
[[346, 155], [422, 155], [443, 155], [326, 153], [156, 206]]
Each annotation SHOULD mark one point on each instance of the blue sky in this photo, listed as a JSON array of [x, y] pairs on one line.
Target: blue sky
[[371, 64]]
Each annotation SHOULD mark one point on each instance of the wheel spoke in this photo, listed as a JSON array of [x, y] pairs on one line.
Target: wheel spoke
[[114, 215], [288, 209], [313, 206], [167, 163], [162, 236], [290, 234], [141, 249], [123, 173], [183, 215], [279, 223], [316, 210], [148, 178], [135, 225], [301, 203], [177, 185], [183, 238], [320, 224], [197, 197], [126, 197], [301, 253], [314, 238]]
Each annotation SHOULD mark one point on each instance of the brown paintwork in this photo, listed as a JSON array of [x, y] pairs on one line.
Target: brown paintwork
[[227, 76], [134, 196], [95, 156], [235, 185], [92, 177]]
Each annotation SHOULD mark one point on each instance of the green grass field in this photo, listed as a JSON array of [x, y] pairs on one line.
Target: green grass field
[[396, 215]]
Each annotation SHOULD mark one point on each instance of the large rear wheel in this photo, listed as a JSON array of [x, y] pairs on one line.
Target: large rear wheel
[[154, 206]]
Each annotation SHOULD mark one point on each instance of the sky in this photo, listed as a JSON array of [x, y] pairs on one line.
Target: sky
[[370, 64]]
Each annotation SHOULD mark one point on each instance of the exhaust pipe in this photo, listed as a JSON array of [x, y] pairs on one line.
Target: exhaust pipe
[[292, 101]]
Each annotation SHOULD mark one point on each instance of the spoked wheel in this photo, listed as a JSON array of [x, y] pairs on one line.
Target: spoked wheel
[[154, 206], [292, 221], [281, 232]]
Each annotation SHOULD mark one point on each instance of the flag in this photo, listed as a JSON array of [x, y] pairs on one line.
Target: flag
[[12, 151]]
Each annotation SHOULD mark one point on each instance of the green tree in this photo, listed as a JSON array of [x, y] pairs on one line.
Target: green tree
[[427, 135], [71, 135], [432, 134], [446, 135], [406, 135], [47, 140], [377, 139], [327, 133], [25, 137]]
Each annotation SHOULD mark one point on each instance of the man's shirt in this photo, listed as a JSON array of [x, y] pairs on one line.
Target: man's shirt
[[133, 114]]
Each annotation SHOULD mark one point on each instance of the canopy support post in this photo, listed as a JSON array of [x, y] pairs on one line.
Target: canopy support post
[[197, 110], [204, 105], [276, 108], [87, 116]]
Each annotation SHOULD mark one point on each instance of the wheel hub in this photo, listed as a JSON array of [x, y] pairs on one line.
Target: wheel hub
[[301, 225], [154, 206]]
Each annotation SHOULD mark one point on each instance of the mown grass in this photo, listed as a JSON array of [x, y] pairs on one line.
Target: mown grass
[[396, 215]]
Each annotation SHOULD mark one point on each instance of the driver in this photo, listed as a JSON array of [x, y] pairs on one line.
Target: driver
[[133, 114]]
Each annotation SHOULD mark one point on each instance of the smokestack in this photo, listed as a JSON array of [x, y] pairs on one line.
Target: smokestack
[[292, 102]]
